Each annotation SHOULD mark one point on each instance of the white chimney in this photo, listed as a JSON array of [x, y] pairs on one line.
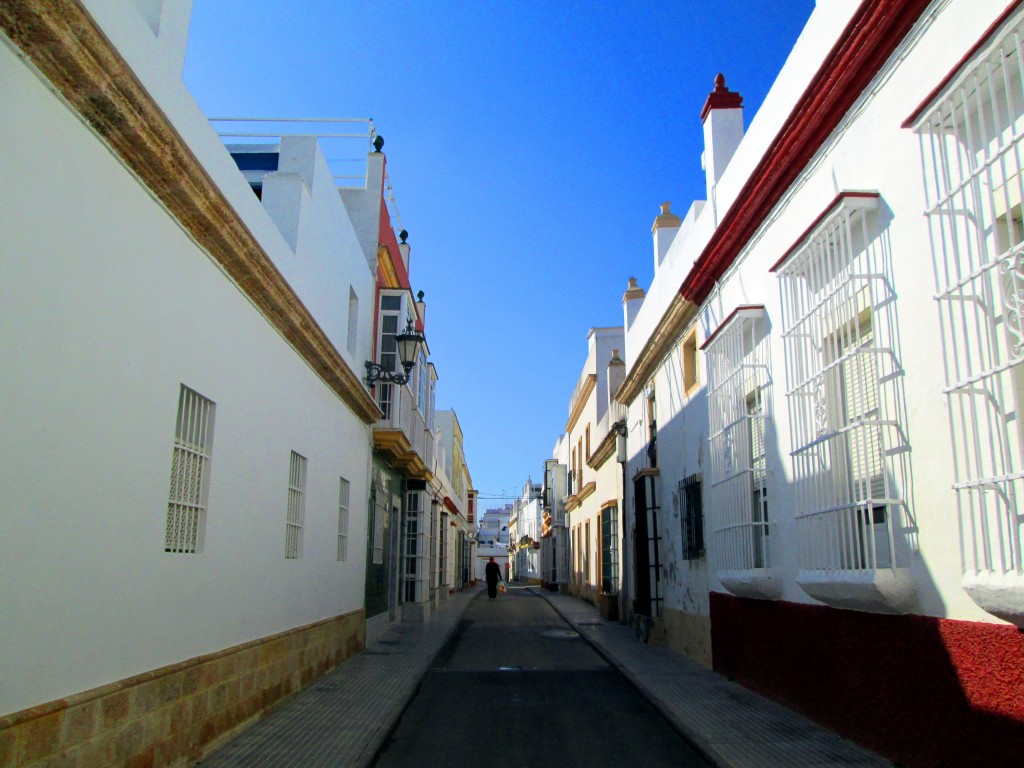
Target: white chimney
[[632, 300], [666, 226], [723, 130]]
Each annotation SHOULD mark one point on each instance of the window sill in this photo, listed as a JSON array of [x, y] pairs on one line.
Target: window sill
[[1001, 594], [887, 590], [757, 583]]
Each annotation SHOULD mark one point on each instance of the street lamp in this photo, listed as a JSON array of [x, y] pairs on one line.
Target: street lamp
[[408, 344]]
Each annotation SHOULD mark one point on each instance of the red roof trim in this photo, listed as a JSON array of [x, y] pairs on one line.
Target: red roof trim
[[982, 42], [729, 319], [450, 505], [874, 32], [829, 209]]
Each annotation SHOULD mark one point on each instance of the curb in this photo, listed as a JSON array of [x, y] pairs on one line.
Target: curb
[[403, 698], [695, 738]]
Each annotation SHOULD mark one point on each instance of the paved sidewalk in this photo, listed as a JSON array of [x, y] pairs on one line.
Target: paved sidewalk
[[732, 726], [343, 718]]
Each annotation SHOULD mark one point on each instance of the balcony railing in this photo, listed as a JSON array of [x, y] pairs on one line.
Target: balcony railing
[[405, 417]]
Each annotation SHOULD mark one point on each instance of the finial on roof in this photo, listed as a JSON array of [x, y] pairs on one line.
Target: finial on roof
[[378, 143], [403, 236], [721, 98]]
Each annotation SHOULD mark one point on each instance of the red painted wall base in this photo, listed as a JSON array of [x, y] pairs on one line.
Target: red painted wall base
[[916, 689]]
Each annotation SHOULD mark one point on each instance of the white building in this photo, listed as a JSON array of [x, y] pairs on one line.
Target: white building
[[594, 488], [189, 441], [823, 383], [459, 502], [525, 531], [493, 540]]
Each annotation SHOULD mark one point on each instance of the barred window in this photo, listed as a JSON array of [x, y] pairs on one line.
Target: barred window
[[296, 507], [839, 330], [971, 136], [343, 493], [190, 473], [691, 514], [738, 398]]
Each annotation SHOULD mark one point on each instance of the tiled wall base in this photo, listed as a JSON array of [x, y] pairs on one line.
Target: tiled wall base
[[171, 716]]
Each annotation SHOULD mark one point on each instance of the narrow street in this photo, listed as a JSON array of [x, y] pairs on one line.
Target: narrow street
[[516, 686]]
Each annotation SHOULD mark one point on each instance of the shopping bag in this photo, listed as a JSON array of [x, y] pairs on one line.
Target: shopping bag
[[501, 588]]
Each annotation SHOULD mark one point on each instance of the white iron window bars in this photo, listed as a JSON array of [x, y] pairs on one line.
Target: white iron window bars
[[343, 505], [737, 368], [839, 329], [296, 506], [971, 144], [190, 473]]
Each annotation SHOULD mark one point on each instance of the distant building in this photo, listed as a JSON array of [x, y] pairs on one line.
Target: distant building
[[493, 539], [525, 526]]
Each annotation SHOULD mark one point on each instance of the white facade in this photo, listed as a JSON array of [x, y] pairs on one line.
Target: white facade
[[589, 449], [525, 527], [824, 388], [106, 316]]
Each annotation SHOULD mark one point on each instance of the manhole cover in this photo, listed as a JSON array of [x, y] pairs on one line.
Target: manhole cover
[[560, 634]]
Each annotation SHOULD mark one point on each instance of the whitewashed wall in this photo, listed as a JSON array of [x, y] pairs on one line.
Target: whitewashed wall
[[107, 307], [869, 151]]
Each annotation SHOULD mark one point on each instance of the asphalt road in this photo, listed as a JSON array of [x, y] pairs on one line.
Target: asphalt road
[[515, 687]]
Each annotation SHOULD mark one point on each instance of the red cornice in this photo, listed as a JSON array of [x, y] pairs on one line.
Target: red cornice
[[836, 201], [982, 42], [874, 32], [450, 505]]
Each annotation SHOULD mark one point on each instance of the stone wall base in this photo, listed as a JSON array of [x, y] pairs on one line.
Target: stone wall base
[[687, 633], [174, 715]]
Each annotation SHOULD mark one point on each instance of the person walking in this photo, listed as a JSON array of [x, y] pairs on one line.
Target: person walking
[[492, 573]]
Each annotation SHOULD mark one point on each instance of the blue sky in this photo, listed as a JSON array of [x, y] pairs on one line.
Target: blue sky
[[529, 144]]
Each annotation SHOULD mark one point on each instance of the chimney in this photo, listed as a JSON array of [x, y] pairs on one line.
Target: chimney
[[723, 130], [632, 300], [666, 226], [616, 375]]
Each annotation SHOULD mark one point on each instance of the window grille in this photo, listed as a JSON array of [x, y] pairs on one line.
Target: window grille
[[691, 513], [738, 398], [839, 321], [343, 494], [296, 507], [414, 571], [610, 550], [648, 546], [970, 138], [190, 473], [652, 429]]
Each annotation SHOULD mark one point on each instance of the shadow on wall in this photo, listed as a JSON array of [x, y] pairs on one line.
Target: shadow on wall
[[916, 689]]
